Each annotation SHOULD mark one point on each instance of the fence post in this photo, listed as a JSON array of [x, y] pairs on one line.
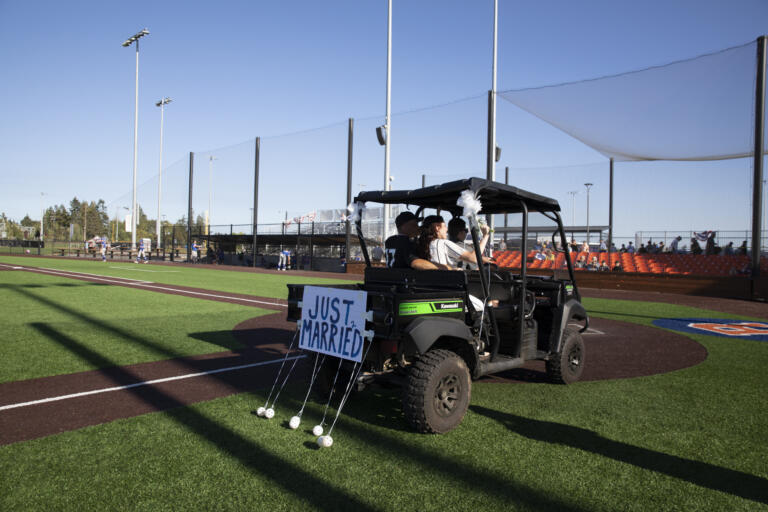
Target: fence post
[[189, 207], [757, 184], [257, 150], [312, 246]]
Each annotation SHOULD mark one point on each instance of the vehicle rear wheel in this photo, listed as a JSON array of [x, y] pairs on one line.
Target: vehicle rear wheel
[[567, 366], [437, 392]]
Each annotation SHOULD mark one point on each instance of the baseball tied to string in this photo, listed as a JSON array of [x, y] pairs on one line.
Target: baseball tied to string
[[333, 322]]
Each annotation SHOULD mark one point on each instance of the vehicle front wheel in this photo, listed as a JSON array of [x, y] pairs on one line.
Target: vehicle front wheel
[[437, 392], [567, 365]]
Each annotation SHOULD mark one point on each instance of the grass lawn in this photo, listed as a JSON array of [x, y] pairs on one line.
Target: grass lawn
[[195, 276], [122, 324], [694, 439]]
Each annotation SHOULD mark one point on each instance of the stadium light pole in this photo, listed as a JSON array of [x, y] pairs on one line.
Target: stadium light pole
[[162, 103], [588, 185], [573, 206], [388, 120], [210, 189], [492, 151], [128, 42]]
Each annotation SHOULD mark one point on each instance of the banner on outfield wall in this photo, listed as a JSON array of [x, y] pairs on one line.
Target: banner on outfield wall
[[128, 223], [333, 322]]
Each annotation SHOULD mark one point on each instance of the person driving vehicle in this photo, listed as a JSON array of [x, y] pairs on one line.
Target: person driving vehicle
[[401, 249]]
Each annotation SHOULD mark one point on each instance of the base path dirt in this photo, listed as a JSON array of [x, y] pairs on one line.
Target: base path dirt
[[732, 306], [614, 350]]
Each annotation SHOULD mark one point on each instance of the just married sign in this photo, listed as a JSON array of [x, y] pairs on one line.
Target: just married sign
[[333, 322]]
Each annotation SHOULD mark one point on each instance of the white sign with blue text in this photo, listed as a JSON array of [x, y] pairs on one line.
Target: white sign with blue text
[[333, 322]]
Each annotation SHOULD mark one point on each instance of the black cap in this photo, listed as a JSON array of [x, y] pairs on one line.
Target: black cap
[[431, 219], [403, 218]]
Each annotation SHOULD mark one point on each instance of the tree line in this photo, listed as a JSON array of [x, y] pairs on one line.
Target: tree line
[[86, 220]]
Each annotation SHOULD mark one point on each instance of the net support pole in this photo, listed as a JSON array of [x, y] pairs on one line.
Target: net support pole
[[257, 151], [610, 208], [757, 184], [491, 157], [348, 227], [189, 206], [423, 180], [506, 216]]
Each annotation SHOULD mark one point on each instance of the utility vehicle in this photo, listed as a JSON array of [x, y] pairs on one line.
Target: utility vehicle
[[430, 339]]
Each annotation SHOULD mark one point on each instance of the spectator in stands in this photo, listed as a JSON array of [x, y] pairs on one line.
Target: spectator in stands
[[550, 255], [709, 249], [695, 247], [642, 249], [631, 248], [660, 248], [537, 246], [604, 267], [540, 256], [603, 246], [402, 249], [585, 247], [377, 254], [650, 247], [729, 250], [593, 264], [617, 266], [743, 248], [580, 263], [613, 247], [220, 256], [502, 245], [623, 248], [673, 245]]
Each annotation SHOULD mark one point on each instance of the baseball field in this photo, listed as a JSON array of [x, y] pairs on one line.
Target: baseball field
[[133, 387]]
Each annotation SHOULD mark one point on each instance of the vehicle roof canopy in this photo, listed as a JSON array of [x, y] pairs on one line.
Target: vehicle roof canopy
[[494, 197]]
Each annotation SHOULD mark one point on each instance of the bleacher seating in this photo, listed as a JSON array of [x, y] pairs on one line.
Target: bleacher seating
[[664, 263]]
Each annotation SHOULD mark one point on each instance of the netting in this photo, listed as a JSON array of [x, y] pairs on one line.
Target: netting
[[696, 109]]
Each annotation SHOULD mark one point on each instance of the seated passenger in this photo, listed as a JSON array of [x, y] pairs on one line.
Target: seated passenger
[[435, 246], [401, 249]]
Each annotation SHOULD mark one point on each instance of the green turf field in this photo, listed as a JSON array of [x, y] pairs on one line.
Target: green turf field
[[123, 324], [194, 276], [694, 439]]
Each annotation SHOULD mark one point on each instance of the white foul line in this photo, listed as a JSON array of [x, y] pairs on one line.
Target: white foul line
[[144, 383], [147, 284], [145, 270]]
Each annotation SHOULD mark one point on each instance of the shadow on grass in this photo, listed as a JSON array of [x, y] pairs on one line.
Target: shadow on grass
[[229, 343], [703, 474], [290, 477], [385, 410]]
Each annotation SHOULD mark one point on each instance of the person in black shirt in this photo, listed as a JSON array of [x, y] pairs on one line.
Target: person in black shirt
[[401, 249]]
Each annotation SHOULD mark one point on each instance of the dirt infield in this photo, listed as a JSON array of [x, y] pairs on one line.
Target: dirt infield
[[614, 350]]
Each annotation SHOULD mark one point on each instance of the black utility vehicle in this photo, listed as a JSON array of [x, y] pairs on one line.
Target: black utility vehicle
[[429, 338]]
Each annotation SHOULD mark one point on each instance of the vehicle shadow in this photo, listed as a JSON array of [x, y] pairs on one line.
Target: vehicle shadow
[[289, 476], [713, 477]]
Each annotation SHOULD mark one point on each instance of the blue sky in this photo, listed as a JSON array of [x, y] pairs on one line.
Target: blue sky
[[237, 70]]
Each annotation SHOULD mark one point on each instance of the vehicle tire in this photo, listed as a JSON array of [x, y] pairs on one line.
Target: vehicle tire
[[437, 392], [567, 366]]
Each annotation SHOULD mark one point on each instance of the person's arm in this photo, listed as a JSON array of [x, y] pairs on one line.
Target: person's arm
[[422, 264], [484, 241]]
